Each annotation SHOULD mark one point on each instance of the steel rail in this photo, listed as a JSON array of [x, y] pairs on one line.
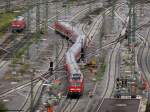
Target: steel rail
[[140, 59]]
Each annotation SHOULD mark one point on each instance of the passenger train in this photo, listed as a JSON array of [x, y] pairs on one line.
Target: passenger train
[[75, 76]]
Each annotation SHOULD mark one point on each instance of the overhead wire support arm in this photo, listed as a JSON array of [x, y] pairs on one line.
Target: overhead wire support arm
[[8, 4], [28, 15], [37, 16]]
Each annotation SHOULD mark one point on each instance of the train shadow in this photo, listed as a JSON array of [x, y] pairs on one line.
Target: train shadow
[[74, 96]]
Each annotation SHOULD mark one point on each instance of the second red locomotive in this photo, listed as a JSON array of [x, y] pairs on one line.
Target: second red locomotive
[[18, 24]]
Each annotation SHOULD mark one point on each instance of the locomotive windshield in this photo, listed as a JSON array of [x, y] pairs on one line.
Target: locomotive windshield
[[76, 77]]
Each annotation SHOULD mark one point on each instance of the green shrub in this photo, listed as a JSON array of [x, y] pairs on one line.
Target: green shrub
[[5, 20]]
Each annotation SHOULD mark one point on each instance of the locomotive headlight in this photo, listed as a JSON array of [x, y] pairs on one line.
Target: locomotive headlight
[[78, 89]]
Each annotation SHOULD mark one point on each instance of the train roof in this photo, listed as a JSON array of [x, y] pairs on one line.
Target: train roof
[[72, 63], [69, 25], [76, 76]]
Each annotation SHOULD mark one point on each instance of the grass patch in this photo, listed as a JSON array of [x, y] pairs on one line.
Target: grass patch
[[101, 71], [5, 20]]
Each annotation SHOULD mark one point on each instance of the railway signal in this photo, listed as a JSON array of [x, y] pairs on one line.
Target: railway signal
[[51, 68], [82, 54], [124, 82]]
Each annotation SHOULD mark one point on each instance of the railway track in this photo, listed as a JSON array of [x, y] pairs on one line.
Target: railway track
[[139, 27], [62, 58], [99, 105], [8, 43], [110, 85], [13, 4], [7, 48], [121, 37], [70, 106], [111, 78], [26, 105], [40, 89], [75, 16], [148, 59], [92, 33], [11, 49], [36, 80], [109, 73], [143, 57], [108, 92], [97, 24], [110, 82], [27, 39], [5, 43], [147, 53]]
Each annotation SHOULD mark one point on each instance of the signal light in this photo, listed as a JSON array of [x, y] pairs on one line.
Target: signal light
[[51, 67]]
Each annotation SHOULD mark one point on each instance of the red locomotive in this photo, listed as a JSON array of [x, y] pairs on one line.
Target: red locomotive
[[75, 77], [75, 85], [18, 24]]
